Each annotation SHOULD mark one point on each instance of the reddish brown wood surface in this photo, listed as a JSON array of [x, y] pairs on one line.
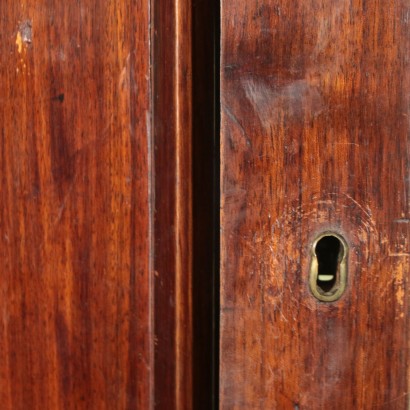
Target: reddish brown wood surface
[[75, 213], [315, 137]]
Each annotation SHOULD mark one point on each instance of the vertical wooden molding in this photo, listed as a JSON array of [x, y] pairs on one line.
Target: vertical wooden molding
[[173, 204], [183, 113]]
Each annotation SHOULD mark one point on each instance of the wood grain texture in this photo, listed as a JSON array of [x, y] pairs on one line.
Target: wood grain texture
[[315, 137], [75, 213]]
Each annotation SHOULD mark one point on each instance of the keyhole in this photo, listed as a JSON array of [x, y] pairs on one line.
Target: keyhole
[[328, 253], [328, 271]]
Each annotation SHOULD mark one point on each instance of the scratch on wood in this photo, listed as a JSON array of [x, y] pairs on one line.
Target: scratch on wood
[[402, 221], [366, 211], [233, 118], [19, 42]]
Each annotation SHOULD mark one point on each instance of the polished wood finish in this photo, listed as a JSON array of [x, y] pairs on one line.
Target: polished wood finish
[[315, 137], [76, 205], [96, 211]]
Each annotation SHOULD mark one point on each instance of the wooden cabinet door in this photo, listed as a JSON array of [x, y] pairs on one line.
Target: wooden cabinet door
[[315, 145], [95, 212], [110, 197]]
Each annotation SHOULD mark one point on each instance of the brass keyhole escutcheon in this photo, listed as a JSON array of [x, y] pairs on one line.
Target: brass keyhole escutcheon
[[328, 267]]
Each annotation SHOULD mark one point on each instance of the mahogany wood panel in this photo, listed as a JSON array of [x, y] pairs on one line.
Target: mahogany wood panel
[[76, 212], [96, 214], [315, 137]]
